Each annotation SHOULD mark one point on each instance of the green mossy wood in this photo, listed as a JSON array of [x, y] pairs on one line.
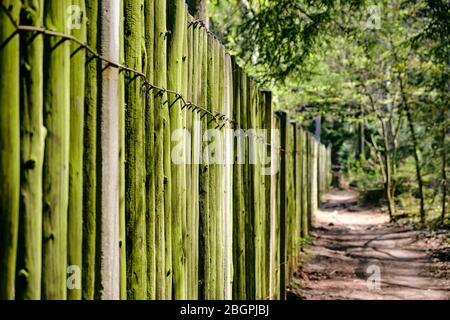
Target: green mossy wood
[[135, 154], [33, 132], [56, 156], [77, 90], [9, 147]]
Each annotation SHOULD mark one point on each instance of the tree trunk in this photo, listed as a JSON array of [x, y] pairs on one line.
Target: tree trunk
[[9, 146], [417, 161], [197, 8], [388, 175]]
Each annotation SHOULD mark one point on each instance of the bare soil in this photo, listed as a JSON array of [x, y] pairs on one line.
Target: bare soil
[[357, 254]]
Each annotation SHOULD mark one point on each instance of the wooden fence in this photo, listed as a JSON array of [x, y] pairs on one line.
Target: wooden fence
[[93, 204]]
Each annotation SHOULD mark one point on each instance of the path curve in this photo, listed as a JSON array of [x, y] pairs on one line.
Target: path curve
[[357, 254]]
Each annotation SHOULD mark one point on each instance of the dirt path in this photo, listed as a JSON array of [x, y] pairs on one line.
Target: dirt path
[[357, 254]]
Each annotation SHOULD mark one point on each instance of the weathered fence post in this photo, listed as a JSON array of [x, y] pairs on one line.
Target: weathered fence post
[[33, 132], [9, 146], [204, 177], [268, 208], [238, 189], [282, 186], [305, 215], [275, 210], [298, 190], [210, 278], [77, 88], [228, 192], [122, 165], [90, 155], [160, 79], [176, 24], [314, 177], [135, 154], [190, 85], [56, 156], [108, 228], [150, 218]]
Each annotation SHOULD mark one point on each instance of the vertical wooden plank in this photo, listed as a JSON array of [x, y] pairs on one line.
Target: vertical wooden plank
[[314, 177], [290, 200], [268, 233], [283, 204], [29, 256], [122, 151], [228, 157], [252, 201], [160, 49], [239, 290], [198, 94], [219, 174], [261, 187], [167, 179], [135, 155], [258, 196], [275, 212], [309, 177], [150, 217], [56, 157], [10, 146], [298, 189], [189, 73], [204, 241], [212, 168], [108, 227], [90, 156], [77, 88], [176, 26], [304, 182]]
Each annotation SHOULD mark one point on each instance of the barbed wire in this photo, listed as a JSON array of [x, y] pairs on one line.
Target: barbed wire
[[217, 117]]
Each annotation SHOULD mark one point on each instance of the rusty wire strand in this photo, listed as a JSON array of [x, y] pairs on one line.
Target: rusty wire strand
[[216, 117]]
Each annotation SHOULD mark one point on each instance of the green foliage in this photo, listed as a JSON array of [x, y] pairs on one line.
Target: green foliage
[[383, 65]]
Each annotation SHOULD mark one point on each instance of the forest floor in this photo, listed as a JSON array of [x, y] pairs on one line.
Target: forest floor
[[357, 254]]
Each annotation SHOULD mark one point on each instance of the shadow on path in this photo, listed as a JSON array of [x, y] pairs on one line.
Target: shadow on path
[[357, 254]]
